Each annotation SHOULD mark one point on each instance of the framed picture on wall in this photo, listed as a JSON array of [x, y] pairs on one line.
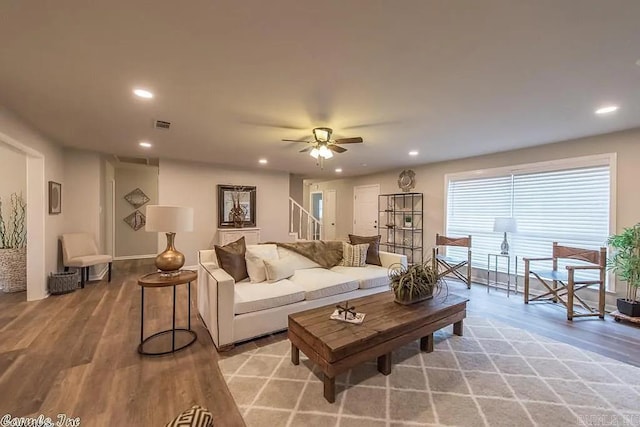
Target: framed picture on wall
[[55, 198], [236, 206]]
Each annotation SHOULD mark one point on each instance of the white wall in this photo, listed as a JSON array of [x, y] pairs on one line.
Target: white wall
[[48, 157], [195, 185], [128, 241], [430, 179], [81, 195], [13, 176]]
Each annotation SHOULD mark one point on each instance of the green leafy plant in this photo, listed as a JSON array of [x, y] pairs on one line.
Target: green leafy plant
[[13, 234], [625, 261], [415, 282]]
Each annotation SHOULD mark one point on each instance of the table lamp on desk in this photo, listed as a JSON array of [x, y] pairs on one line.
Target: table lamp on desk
[[169, 220]]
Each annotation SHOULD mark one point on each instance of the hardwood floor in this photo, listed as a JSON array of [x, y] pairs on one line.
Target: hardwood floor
[[76, 353]]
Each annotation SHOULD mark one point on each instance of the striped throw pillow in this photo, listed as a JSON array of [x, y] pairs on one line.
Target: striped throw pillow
[[354, 255], [197, 416]]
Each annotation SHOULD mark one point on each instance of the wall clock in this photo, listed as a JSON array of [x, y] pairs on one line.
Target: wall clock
[[407, 180]]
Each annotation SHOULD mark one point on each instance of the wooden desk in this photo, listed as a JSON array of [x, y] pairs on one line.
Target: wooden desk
[[338, 346], [156, 280]]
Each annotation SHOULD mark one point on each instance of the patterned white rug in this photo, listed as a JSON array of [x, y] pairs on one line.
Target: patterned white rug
[[494, 375]]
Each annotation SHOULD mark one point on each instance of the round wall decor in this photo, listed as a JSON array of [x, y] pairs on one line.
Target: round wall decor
[[407, 180]]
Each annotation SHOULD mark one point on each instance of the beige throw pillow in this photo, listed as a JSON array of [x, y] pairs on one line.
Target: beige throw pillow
[[278, 269], [373, 256], [255, 256], [354, 255]]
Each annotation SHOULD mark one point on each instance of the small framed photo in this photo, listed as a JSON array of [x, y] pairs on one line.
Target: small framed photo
[[55, 198]]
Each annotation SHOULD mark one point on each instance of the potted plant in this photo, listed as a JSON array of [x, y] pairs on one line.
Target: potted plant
[[625, 262], [13, 246], [417, 282]]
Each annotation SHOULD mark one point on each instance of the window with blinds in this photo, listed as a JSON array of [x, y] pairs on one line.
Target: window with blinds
[[569, 204]]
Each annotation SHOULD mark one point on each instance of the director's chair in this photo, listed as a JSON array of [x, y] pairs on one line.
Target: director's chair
[[444, 264], [562, 285]]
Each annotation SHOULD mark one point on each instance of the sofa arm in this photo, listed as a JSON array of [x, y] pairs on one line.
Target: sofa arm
[[216, 302], [389, 258]]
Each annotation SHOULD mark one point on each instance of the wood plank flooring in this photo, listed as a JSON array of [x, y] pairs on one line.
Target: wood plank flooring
[[76, 353]]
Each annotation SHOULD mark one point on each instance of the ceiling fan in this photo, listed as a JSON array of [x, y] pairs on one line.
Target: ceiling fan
[[323, 146]]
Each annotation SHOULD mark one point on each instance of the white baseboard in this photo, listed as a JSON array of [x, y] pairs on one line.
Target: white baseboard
[[123, 258]]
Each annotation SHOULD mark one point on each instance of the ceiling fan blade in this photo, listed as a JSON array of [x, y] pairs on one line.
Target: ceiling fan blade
[[336, 148], [355, 140], [296, 140], [304, 150]]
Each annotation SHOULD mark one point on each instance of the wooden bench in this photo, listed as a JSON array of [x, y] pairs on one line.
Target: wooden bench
[[337, 346]]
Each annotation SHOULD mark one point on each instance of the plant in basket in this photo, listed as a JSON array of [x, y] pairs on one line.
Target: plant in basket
[[414, 283], [13, 242], [625, 262]]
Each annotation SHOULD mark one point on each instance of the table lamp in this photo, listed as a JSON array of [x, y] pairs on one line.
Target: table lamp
[[169, 220], [505, 225]]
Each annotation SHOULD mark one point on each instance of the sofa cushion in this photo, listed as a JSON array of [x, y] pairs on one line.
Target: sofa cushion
[[231, 259], [298, 262], [371, 276], [373, 257], [320, 282], [251, 297], [255, 256], [278, 269], [354, 255]]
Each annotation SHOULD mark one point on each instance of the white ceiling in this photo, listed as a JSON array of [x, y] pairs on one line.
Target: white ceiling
[[448, 78]]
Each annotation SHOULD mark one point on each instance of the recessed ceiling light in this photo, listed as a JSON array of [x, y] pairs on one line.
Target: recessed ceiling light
[[143, 93], [145, 144], [638, 62], [263, 161], [607, 109], [364, 165], [413, 153], [338, 170]]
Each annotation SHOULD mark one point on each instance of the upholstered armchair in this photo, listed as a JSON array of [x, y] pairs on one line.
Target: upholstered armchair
[[79, 250]]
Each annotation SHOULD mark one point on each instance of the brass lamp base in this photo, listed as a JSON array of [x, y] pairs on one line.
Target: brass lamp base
[[170, 261]]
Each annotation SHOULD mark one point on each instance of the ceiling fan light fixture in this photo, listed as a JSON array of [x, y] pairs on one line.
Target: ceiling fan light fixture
[[314, 153], [322, 134], [324, 152]]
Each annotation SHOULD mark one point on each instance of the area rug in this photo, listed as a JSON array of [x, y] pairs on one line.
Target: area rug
[[495, 375]]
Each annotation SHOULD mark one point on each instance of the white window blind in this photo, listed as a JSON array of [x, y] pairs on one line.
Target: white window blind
[[570, 206]]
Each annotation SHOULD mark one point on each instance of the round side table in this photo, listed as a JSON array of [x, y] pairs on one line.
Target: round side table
[[156, 280]]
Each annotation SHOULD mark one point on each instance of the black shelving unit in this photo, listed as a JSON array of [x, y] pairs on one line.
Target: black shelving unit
[[400, 221]]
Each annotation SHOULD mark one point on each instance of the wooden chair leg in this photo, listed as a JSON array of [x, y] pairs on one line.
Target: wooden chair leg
[[82, 277], [570, 289], [526, 282], [109, 274], [66, 269]]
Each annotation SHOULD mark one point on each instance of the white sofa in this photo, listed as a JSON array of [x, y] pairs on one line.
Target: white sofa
[[234, 312]]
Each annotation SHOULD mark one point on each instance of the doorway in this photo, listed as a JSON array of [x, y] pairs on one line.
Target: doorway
[[365, 210], [316, 211]]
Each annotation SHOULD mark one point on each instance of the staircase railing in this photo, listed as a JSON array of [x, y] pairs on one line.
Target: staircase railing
[[302, 223]]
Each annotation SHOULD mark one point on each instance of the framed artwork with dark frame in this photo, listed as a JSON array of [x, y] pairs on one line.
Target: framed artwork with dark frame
[[236, 206], [55, 198]]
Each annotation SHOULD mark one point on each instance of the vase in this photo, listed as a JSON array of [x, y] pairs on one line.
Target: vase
[[13, 269]]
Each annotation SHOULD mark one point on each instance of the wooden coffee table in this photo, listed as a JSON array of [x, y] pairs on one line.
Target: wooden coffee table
[[338, 346]]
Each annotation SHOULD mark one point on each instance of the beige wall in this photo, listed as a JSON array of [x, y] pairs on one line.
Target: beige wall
[[13, 176], [344, 203], [81, 195], [430, 178], [52, 158], [128, 241], [195, 185]]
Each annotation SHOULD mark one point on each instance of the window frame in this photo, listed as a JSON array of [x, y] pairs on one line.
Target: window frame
[[606, 159]]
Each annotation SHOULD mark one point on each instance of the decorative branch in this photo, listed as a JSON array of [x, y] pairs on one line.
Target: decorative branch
[[18, 235], [3, 230]]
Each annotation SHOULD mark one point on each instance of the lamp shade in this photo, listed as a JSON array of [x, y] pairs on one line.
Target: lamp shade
[[169, 219], [505, 225]]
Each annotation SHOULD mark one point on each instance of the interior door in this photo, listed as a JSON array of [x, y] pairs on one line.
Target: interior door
[[329, 215], [365, 210]]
